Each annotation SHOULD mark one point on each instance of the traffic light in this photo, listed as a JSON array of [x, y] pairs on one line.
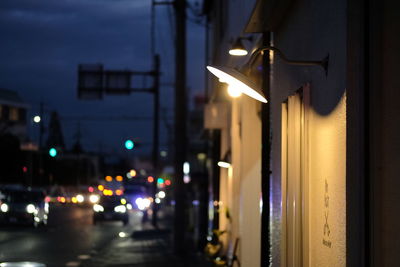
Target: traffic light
[[53, 152], [129, 144]]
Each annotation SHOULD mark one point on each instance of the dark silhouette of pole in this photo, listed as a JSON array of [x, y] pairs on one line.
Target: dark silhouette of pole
[[41, 126], [156, 132], [41, 131], [265, 156], [180, 126]]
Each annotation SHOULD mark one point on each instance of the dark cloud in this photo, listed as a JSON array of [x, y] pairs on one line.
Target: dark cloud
[[42, 42]]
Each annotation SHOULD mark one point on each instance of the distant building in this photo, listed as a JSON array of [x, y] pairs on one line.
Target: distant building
[[13, 132], [13, 114]]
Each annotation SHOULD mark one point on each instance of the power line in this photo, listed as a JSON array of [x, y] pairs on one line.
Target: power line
[[107, 118]]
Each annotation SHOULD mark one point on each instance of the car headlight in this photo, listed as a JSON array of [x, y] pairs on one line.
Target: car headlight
[[140, 203], [4, 207], [120, 208], [46, 207], [98, 208], [146, 202], [80, 198], [94, 198], [30, 208]]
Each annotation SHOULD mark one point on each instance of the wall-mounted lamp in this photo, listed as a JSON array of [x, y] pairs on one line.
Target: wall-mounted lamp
[[240, 82], [226, 161], [238, 48], [237, 82]]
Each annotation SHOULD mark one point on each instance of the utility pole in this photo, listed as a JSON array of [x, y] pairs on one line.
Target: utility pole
[[92, 84], [41, 131], [180, 126], [156, 132], [41, 126], [265, 155]]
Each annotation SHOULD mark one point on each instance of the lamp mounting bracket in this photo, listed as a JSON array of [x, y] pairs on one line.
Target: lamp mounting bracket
[[324, 63]]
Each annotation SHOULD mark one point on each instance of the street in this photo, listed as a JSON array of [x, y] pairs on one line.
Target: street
[[69, 239]]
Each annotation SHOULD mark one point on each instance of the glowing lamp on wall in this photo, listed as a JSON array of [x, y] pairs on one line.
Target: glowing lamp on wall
[[238, 82], [226, 161]]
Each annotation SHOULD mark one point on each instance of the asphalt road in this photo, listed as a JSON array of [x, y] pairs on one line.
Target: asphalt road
[[69, 238]]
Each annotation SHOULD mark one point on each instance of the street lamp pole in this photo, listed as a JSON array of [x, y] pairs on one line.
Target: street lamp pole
[[94, 81], [180, 126], [156, 131], [41, 127], [41, 131]]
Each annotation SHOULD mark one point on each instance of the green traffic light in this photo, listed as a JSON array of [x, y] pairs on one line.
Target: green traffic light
[[160, 180], [52, 152], [129, 144]]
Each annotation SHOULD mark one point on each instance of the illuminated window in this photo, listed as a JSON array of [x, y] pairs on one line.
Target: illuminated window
[[13, 116]]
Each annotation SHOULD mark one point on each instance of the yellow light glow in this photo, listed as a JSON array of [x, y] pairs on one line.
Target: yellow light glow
[[238, 52], [123, 201], [119, 178], [108, 192], [201, 156], [238, 80], [132, 173], [100, 187], [234, 91], [74, 200], [109, 178]]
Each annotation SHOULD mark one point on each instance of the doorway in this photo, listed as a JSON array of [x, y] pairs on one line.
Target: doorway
[[295, 182]]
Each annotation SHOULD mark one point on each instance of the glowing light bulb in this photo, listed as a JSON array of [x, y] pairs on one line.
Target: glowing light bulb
[[37, 119], [234, 91]]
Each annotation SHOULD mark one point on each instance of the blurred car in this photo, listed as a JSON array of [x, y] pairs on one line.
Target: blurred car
[[111, 208], [139, 197], [25, 206], [22, 264]]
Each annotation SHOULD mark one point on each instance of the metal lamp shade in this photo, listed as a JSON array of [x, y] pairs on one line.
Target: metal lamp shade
[[240, 81], [238, 49]]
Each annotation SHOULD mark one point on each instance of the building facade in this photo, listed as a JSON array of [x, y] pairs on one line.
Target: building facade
[[13, 114], [312, 174]]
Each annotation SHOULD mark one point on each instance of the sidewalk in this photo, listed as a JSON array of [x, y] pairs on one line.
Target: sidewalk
[[148, 247]]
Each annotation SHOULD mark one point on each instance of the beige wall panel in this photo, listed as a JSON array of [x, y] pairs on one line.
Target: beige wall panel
[[250, 185], [327, 167]]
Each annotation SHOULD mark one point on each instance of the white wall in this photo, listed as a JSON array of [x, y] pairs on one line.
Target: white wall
[[311, 31], [250, 182]]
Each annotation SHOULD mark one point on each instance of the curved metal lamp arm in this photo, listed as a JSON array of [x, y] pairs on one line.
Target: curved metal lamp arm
[[323, 63]]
